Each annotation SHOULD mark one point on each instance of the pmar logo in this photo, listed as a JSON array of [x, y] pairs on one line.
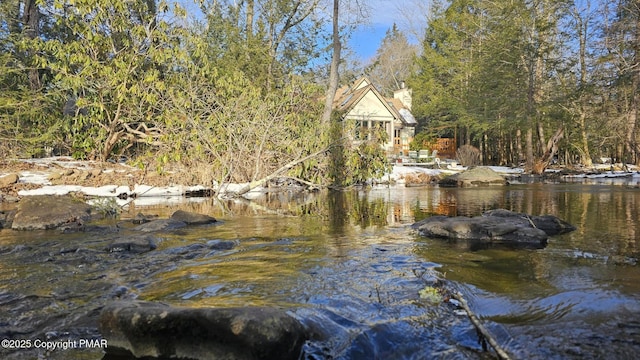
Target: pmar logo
[[93, 343]]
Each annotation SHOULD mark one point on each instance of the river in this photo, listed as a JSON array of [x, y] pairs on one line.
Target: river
[[347, 263]]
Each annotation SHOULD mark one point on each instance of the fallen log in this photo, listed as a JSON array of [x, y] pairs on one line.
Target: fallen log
[[288, 166]]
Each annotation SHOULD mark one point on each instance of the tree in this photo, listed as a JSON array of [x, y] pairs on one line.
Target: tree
[[266, 39], [622, 44], [442, 87], [116, 56], [490, 70], [394, 61], [26, 113]]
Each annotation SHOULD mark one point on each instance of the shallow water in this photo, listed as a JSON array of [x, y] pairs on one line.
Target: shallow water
[[348, 266]]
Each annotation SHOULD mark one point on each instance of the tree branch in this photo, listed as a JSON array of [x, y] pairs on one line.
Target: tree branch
[[481, 329]]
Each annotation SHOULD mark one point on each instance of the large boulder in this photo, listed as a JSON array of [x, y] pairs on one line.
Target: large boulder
[[495, 227], [477, 176], [153, 330], [50, 212]]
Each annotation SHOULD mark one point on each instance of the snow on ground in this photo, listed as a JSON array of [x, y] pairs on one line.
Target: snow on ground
[[143, 195]]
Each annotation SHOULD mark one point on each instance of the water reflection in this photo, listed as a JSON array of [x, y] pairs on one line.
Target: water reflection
[[348, 263]]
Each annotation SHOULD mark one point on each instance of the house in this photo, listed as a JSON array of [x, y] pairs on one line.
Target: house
[[363, 104]]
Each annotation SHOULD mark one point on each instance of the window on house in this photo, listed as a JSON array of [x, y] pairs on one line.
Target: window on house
[[362, 130]]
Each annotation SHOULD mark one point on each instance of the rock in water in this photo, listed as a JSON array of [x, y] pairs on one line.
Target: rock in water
[[192, 218], [147, 329], [160, 225], [495, 227], [133, 244], [550, 224], [50, 212]]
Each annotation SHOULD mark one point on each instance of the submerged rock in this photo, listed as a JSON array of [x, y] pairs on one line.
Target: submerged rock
[[154, 330], [50, 212], [495, 227], [480, 175]]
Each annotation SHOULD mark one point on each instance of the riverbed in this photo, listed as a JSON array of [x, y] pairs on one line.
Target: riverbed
[[347, 263]]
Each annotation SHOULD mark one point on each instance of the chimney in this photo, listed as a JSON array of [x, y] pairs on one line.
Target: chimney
[[404, 94]]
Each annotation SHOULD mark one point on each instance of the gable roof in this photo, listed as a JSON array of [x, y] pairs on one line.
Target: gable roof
[[348, 96]]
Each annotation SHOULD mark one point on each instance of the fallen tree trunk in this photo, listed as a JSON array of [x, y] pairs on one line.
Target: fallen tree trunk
[[288, 166]]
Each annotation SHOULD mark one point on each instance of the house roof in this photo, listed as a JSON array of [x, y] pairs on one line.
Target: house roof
[[406, 114], [348, 96]]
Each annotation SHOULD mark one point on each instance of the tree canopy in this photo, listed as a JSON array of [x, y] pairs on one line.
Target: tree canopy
[[527, 80]]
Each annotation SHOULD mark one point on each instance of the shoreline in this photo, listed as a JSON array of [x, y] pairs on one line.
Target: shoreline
[[125, 183]]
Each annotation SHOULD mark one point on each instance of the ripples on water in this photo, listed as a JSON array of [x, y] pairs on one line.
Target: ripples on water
[[347, 266]]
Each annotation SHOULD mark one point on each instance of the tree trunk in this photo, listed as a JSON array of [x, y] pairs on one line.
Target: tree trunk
[[550, 151], [633, 133], [249, 23], [582, 26], [333, 71], [31, 22], [520, 154], [586, 155], [528, 167], [288, 166]]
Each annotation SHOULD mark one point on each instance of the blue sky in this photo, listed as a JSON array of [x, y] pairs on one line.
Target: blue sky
[[382, 15], [366, 40]]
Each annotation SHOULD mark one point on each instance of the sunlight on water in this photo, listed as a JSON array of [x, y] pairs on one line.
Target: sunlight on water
[[348, 265]]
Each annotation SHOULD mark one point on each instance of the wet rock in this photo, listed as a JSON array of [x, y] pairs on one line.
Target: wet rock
[[134, 244], [122, 292], [146, 329], [550, 224], [8, 180], [221, 244], [141, 218], [192, 218], [495, 227], [160, 225], [186, 250], [50, 212], [481, 175]]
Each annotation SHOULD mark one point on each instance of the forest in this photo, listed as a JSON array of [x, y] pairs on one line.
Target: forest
[[239, 92]]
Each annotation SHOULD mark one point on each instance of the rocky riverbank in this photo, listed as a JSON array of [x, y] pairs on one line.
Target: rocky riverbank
[[129, 327]]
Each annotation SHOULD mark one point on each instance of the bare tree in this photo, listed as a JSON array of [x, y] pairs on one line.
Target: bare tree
[[394, 61]]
